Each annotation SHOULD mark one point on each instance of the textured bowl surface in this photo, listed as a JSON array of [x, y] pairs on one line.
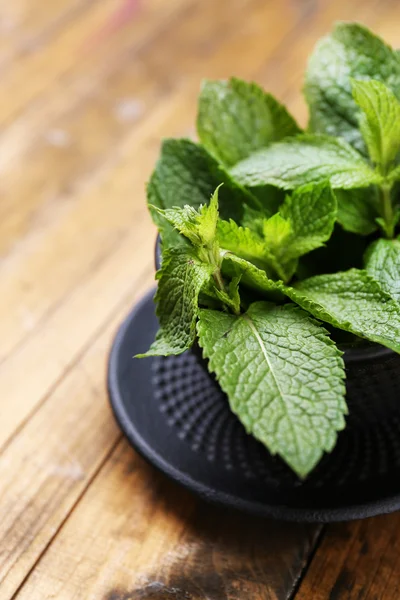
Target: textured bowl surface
[[175, 414]]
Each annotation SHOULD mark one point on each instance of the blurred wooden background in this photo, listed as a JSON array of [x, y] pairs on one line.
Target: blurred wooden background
[[88, 89]]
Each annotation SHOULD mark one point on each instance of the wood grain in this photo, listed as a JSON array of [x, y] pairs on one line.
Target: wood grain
[[357, 561], [152, 540], [57, 454], [87, 97]]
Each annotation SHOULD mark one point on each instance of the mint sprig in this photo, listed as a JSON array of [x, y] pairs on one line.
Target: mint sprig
[[237, 256]]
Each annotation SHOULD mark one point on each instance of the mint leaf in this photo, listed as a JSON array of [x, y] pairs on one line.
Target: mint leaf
[[181, 278], [199, 226], [250, 246], [236, 118], [311, 211], [242, 241], [277, 231], [358, 210], [382, 262], [186, 174], [306, 159], [288, 394], [251, 276], [352, 301], [305, 221], [379, 121], [184, 220], [350, 51]]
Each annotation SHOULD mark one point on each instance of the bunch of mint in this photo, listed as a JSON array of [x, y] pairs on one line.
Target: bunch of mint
[[238, 213]]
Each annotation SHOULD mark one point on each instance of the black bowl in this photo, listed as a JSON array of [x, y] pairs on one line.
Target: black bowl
[[176, 415]]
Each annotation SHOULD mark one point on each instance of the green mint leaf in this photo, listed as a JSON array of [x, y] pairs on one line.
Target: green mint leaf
[[242, 241], [181, 278], [250, 246], [382, 262], [208, 219], [379, 121], [288, 394], [352, 301], [199, 226], [251, 276], [358, 209], [311, 211], [184, 220], [236, 118], [350, 51], [186, 174], [306, 159], [276, 231]]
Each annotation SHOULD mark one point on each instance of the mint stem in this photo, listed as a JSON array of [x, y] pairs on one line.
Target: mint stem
[[218, 279]]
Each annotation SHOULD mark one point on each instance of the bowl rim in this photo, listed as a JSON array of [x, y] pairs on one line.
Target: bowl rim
[[351, 355]]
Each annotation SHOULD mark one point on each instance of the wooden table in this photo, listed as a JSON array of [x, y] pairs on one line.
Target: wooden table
[[88, 89]]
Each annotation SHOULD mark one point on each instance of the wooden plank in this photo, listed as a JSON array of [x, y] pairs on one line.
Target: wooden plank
[[135, 535], [45, 470], [356, 561]]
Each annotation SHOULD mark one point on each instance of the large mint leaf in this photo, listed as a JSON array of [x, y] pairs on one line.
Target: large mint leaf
[[287, 393], [358, 210], [306, 159], [352, 301], [236, 118], [379, 121], [186, 174], [351, 51], [181, 278], [383, 264]]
